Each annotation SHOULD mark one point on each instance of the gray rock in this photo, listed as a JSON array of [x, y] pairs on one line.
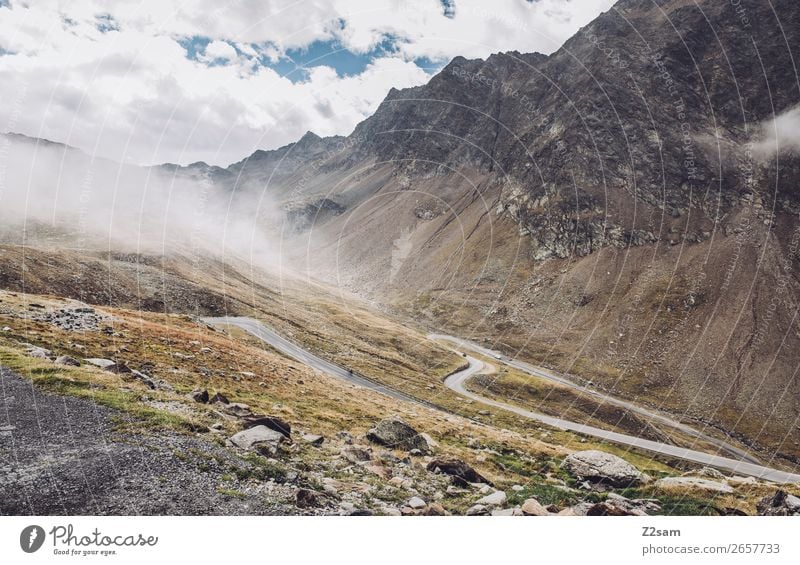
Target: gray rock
[[67, 361], [494, 499], [39, 352], [259, 438], [272, 422], [144, 379], [97, 362], [711, 472], [416, 503], [355, 454], [605, 468], [477, 510], [118, 368], [238, 409], [396, 434], [779, 504], [507, 512], [313, 439], [673, 483]]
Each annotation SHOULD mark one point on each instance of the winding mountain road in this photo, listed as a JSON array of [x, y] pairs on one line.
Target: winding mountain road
[[297, 353], [457, 382], [629, 406]]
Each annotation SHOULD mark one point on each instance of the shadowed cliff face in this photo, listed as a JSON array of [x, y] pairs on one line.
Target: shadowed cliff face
[[645, 115]]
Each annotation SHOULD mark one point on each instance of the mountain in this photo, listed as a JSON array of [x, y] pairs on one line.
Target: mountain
[[611, 210], [606, 209]]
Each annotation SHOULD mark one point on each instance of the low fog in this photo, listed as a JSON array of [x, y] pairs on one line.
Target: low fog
[[780, 134], [52, 194]]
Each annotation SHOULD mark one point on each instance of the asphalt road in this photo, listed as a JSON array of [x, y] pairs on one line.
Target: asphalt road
[[456, 382], [296, 352], [629, 406]]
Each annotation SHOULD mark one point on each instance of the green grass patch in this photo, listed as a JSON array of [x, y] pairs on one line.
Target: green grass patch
[[260, 469], [231, 492], [545, 493]]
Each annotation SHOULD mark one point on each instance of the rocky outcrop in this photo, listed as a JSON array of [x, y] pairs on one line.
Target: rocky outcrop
[[396, 434], [497, 498], [272, 422], [603, 468], [461, 473], [779, 504], [693, 483], [259, 438], [303, 215]]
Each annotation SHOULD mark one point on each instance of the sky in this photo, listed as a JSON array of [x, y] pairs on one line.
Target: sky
[[180, 81]]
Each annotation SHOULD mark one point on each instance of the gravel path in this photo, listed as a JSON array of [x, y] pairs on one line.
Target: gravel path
[[61, 455]]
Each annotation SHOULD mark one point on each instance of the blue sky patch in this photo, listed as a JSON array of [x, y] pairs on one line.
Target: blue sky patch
[[105, 23], [294, 64]]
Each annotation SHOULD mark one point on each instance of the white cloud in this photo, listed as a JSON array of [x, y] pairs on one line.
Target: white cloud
[[132, 94], [219, 50], [780, 134]]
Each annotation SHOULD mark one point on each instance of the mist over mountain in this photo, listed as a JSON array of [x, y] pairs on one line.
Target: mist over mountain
[[64, 197]]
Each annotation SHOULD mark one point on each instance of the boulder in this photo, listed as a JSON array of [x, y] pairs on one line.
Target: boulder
[[313, 439], [416, 503], [494, 499], [434, 509], [396, 434], [237, 409], [607, 508], [507, 512], [145, 379], [102, 363], [67, 361], [432, 444], [259, 438], [305, 498], [38, 352], [221, 398], [460, 472], [603, 468], [779, 504], [272, 422], [355, 454], [696, 483], [531, 507], [379, 470], [118, 368], [711, 472], [477, 510], [200, 395]]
